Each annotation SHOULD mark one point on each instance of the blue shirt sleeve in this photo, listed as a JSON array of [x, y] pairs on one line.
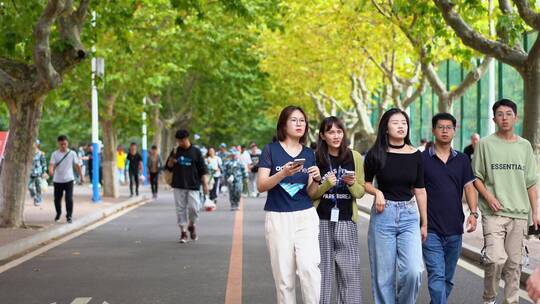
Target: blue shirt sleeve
[[266, 158], [468, 174]]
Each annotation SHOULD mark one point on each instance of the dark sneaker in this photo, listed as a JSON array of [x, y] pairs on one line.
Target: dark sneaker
[[57, 218], [69, 221], [183, 237], [192, 233]]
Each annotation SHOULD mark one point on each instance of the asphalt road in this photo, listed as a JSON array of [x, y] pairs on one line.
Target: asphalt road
[[137, 259]]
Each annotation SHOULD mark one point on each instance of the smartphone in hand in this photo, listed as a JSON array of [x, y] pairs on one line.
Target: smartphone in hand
[[348, 173], [299, 162]]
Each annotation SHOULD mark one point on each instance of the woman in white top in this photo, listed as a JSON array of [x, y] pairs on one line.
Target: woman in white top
[[214, 164]]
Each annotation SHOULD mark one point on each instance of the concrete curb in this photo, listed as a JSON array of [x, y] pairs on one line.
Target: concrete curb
[[20, 246], [468, 252]]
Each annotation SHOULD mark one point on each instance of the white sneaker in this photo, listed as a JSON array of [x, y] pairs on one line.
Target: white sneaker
[[489, 302]]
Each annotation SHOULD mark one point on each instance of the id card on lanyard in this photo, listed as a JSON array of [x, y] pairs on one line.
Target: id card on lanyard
[[334, 214]]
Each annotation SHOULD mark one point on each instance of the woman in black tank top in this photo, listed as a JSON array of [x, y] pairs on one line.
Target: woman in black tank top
[[395, 230]]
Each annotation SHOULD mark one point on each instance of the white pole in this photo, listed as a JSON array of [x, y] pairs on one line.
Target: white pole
[[491, 77], [95, 125], [144, 144]]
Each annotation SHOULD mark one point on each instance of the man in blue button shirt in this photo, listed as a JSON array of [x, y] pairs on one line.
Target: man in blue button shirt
[[447, 173]]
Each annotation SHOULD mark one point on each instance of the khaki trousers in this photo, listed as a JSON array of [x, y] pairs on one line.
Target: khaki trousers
[[503, 238], [293, 243]]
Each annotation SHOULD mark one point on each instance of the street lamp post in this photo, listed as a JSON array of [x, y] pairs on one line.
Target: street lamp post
[[98, 67], [144, 144]]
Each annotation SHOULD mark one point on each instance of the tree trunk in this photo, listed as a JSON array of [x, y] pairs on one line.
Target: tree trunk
[[444, 105], [110, 178], [531, 94], [166, 143], [363, 141], [23, 130], [157, 127]]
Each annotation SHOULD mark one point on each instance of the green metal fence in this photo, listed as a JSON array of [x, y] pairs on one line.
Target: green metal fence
[[472, 110]]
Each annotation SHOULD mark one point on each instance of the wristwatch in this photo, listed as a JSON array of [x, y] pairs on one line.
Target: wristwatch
[[475, 214]]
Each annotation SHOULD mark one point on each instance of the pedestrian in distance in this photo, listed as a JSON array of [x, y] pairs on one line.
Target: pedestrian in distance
[[235, 175], [38, 173], [214, 164], [506, 171], [245, 158], [287, 170], [121, 157], [423, 145], [223, 154], [253, 167], [189, 171], [396, 230], [469, 150], [155, 166], [135, 166], [61, 167], [447, 174], [342, 183]]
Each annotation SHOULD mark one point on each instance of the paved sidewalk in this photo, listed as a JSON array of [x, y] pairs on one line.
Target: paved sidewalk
[[40, 219], [475, 240]]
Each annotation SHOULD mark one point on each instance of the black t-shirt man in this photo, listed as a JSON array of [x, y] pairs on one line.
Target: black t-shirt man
[[255, 162], [188, 169], [135, 161]]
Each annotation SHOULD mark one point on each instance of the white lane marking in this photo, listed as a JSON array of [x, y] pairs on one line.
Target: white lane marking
[[67, 238], [469, 267], [81, 300]]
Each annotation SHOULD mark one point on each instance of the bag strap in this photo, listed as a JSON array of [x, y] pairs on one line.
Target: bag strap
[[58, 163]]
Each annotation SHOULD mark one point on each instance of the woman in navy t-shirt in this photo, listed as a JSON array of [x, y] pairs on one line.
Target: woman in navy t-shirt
[[292, 224]]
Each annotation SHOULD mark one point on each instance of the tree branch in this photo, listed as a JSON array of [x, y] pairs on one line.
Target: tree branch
[[477, 41], [528, 14], [358, 94], [434, 81], [379, 8], [417, 93], [472, 77], [47, 75], [377, 64], [81, 12], [505, 7], [319, 105]]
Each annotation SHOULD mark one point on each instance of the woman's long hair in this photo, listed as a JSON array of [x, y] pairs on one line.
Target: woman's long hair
[[321, 153], [376, 157]]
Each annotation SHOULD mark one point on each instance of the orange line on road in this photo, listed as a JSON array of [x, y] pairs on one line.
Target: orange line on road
[[233, 294]]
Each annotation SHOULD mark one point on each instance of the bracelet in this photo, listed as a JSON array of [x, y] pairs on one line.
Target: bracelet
[[475, 214]]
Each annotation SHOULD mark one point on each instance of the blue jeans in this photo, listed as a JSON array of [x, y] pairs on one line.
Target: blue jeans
[[441, 254], [395, 247]]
